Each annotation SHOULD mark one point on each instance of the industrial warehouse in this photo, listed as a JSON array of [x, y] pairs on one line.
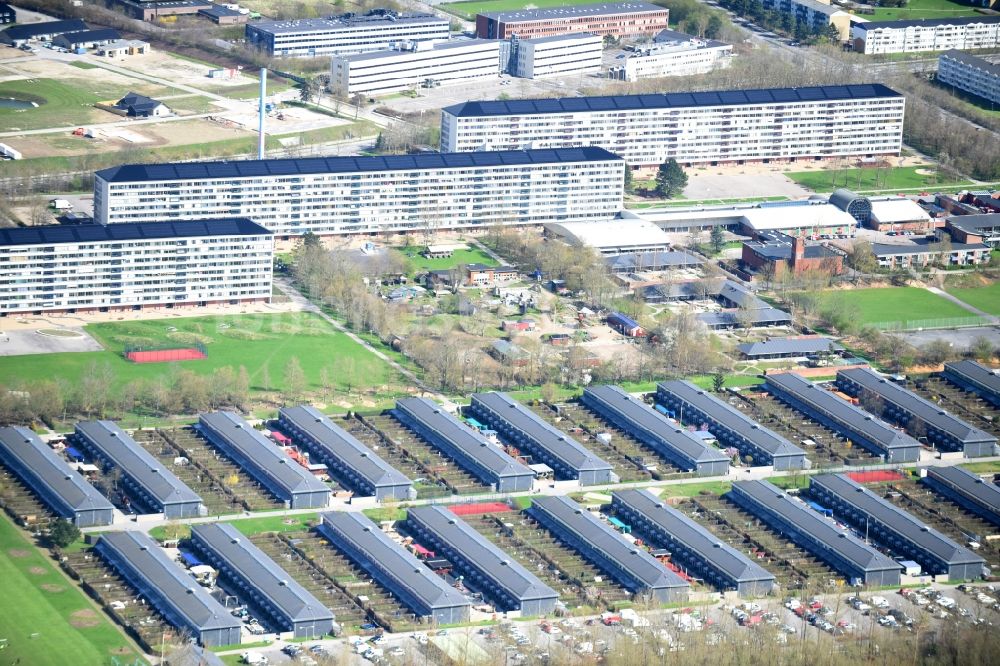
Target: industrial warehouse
[[691, 544], [272, 467], [470, 449], [363, 469], [943, 429], [896, 529], [654, 430], [520, 426], [633, 567], [730, 426]]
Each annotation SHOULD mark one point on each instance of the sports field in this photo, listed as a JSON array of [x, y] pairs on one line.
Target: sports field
[[899, 178], [472, 255], [922, 9], [985, 298], [254, 341], [893, 304], [468, 10], [44, 618]]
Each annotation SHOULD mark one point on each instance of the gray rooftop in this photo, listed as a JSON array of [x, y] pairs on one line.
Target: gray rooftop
[[287, 597], [905, 525], [59, 478], [569, 12], [824, 530], [146, 560], [985, 378], [461, 436], [603, 538], [135, 462], [718, 554], [976, 224], [764, 439], [968, 484], [991, 68], [557, 443], [266, 457], [337, 442], [910, 402], [645, 418], [405, 569], [343, 24], [436, 49], [849, 416], [481, 553], [802, 346]]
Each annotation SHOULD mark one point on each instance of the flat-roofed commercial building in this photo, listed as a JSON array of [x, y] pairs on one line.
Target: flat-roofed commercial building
[[269, 465], [691, 545], [54, 482], [916, 35], [976, 378], [396, 569], [498, 575], [819, 535], [943, 429], [385, 72], [354, 195], [863, 429], [91, 268], [308, 38], [967, 490], [776, 124], [145, 479], [628, 563], [471, 450], [672, 54], [654, 430], [266, 585], [363, 469], [561, 55], [182, 602], [521, 427], [894, 528], [971, 74], [626, 19], [729, 425]]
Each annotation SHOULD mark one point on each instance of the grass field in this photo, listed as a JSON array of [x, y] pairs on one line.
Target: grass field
[[922, 9], [986, 298], [472, 255], [255, 341], [44, 618], [899, 178], [468, 10], [892, 304]]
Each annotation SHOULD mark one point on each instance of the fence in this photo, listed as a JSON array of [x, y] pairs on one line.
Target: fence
[[922, 324]]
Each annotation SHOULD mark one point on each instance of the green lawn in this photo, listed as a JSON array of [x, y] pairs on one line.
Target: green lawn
[[473, 255], [275, 523], [44, 618], [692, 489], [922, 9], [468, 10], [255, 341], [899, 178], [893, 304], [986, 299]]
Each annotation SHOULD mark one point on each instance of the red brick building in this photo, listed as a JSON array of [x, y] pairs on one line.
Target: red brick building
[[627, 19], [784, 253]]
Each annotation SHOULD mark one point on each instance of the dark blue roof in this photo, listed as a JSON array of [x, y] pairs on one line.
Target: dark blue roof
[[96, 233], [99, 35], [45, 28], [626, 321], [313, 165], [218, 11], [668, 100]]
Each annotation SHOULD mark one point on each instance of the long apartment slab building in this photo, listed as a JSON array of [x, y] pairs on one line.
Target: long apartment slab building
[[863, 429], [308, 38], [396, 569], [730, 426], [775, 124], [366, 472], [691, 545], [943, 429], [133, 266], [469, 448], [975, 378], [625, 19], [654, 430], [354, 195], [969, 73], [894, 528], [546, 444], [145, 479], [499, 576], [966, 489], [57, 485], [920, 35]]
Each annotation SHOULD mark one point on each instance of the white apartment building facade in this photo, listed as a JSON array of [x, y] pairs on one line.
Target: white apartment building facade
[[134, 266], [679, 55], [306, 38], [694, 128], [817, 15], [353, 195], [562, 55], [385, 72], [962, 34], [971, 74]]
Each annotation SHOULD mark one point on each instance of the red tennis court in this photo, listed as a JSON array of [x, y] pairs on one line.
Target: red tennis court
[[476, 509], [876, 476], [166, 355]]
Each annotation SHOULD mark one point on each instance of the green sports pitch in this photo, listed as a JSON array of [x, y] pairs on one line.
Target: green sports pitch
[[893, 304], [468, 10]]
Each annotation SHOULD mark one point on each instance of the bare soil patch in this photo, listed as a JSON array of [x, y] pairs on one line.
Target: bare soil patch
[[37, 571], [52, 588], [84, 618], [18, 552]]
